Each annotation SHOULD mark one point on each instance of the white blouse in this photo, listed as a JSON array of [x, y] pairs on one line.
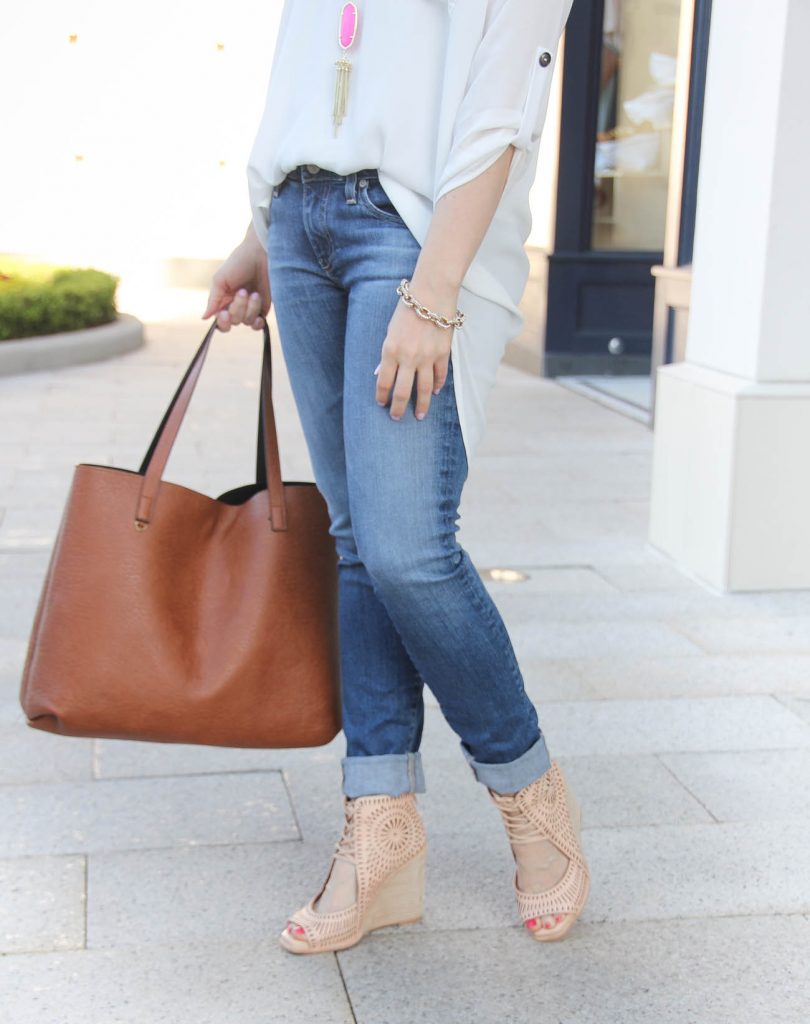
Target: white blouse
[[438, 89]]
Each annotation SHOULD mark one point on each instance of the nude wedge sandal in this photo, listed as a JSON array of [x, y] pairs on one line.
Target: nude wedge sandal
[[384, 838], [548, 809]]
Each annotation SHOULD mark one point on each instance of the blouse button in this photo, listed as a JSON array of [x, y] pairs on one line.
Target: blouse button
[[545, 59]]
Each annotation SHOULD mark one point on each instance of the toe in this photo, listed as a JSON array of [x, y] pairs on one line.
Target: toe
[[531, 924]]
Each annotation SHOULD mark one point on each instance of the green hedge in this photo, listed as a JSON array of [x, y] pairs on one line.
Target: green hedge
[[37, 298]]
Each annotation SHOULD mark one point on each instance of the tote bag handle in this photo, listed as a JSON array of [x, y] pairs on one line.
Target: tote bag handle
[[268, 463]]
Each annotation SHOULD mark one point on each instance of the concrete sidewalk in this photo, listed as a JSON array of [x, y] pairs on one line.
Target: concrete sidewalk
[[147, 883]]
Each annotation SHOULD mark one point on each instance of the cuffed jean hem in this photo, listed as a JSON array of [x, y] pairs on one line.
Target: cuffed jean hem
[[390, 774], [512, 775]]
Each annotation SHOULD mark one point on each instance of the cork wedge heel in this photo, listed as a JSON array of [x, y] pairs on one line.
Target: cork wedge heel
[[384, 839], [547, 809]]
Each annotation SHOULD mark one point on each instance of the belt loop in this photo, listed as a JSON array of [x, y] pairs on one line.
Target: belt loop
[[350, 188]]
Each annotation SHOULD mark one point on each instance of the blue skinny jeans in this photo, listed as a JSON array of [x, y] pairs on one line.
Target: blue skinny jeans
[[413, 609]]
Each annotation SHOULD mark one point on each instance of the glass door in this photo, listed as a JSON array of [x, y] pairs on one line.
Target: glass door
[[634, 123], [620, 66]]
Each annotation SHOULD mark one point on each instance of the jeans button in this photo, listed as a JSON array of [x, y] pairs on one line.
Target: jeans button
[[363, 182], [313, 168]]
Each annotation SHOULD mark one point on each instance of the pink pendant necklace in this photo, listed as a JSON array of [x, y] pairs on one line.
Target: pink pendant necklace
[[347, 32]]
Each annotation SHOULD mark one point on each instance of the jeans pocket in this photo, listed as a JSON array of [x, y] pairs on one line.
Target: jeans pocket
[[376, 201]]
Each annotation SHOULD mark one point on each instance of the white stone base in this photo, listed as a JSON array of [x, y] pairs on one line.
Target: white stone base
[[731, 478]]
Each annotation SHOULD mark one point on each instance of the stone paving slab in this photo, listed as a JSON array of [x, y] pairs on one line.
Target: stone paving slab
[[798, 705], [651, 575], [232, 983], [629, 727], [487, 546], [202, 894], [670, 871], [654, 726], [778, 634], [696, 675], [43, 904], [553, 580], [12, 657], [758, 785], [568, 473], [598, 639], [72, 817], [545, 681], [658, 972], [30, 755], [521, 608], [134, 759]]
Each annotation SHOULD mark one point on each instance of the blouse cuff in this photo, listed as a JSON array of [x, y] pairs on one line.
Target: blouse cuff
[[480, 138]]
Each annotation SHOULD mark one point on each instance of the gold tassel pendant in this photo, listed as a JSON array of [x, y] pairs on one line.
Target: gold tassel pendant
[[343, 69], [347, 31]]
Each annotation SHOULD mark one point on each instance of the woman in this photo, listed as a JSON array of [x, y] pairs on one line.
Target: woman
[[382, 208]]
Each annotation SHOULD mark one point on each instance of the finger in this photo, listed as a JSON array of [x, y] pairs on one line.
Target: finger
[[385, 379], [258, 323], [224, 320], [424, 389], [253, 308], [440, 373], [402, 392], [216, 299], [238, 306]]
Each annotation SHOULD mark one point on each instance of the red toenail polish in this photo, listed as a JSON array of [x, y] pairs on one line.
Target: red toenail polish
[[547, 924], [558, 917], [531, 923]]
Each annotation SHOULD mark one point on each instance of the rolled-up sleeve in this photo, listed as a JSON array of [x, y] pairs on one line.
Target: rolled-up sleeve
[[508, 89]]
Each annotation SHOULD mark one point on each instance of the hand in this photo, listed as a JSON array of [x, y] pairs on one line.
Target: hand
[[240, 288], [415, 349]]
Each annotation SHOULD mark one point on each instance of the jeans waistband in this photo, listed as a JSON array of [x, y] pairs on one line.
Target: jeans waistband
[[311, 172]]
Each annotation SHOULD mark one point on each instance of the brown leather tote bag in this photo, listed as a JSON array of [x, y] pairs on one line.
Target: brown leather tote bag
[[172, 616]]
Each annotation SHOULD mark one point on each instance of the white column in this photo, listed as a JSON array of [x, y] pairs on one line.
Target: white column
[[731, 474]]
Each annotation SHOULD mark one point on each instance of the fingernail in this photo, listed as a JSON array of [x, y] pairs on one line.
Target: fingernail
[[379, 365], [436, 391], [380, 403], [254, 295], [393, 417], [420, 415], [242, 291]]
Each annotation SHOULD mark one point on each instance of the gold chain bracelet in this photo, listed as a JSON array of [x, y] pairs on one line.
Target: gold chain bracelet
[[427, 314]]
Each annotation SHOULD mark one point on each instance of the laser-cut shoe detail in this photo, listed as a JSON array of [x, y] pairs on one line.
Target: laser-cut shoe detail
[[546, 809], [384, 838]]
